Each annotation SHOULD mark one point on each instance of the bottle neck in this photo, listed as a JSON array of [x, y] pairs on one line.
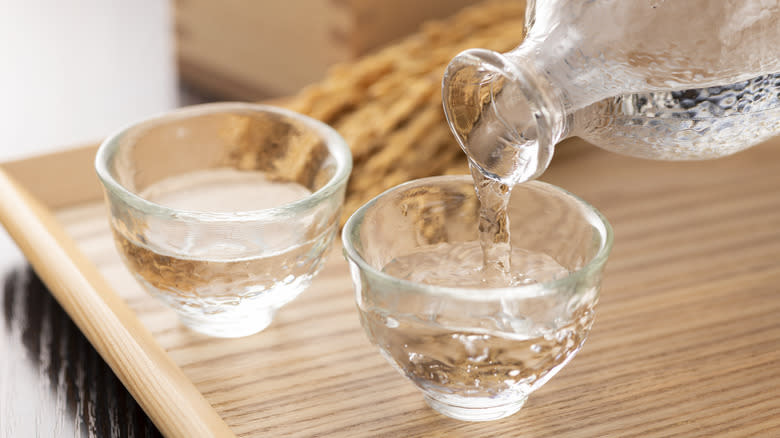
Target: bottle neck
[[506, 114], [548, 94]]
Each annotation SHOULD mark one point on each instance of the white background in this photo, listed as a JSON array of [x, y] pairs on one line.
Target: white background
[[71, 71]]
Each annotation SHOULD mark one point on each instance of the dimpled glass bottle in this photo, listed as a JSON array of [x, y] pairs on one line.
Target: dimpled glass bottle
[[657, 79]]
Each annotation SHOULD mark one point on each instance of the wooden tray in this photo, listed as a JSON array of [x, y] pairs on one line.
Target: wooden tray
[[686, 340]]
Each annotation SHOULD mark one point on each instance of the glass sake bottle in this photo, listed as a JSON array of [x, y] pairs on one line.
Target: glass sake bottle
[[674, 80]]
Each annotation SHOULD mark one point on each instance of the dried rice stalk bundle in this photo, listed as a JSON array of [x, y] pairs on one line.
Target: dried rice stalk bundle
[[387, 105]]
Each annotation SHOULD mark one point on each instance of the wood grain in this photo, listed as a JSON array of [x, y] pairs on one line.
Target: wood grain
[[52, 381], [159, 386], [686, 340]]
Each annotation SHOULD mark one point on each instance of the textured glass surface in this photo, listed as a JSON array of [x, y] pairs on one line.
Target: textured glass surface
[[672, 80], [223, 211], [474, 350]]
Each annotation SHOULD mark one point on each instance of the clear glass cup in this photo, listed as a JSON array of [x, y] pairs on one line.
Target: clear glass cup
[[223, 211], [476, 352]]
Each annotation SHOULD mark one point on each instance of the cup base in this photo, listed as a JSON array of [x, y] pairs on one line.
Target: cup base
[[475, 411], [234, 327], [225, 318]]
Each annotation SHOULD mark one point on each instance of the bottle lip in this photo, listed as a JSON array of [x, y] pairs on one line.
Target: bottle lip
[[544, 103]]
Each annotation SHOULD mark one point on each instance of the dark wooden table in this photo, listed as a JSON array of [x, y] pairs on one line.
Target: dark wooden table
[[52, 382]]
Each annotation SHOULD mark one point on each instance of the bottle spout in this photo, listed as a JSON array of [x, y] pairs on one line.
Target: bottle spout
[[504, 116]]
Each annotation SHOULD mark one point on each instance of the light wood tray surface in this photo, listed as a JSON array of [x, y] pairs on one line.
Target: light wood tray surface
[[686, 340]]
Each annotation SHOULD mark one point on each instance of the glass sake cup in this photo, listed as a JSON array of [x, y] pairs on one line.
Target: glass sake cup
[[476, 353], [223, 211]]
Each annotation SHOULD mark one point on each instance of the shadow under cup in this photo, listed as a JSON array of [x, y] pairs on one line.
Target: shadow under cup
[[223, 211], [476, 353]]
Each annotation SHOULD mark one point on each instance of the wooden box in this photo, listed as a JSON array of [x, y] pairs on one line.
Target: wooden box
[[240, 49]]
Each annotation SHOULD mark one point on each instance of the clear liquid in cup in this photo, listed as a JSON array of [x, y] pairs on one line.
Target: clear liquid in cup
[[213, 291], [488, 367], [490, 371], [463, 265], [223, 190], [483, 367], [475, 342]]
